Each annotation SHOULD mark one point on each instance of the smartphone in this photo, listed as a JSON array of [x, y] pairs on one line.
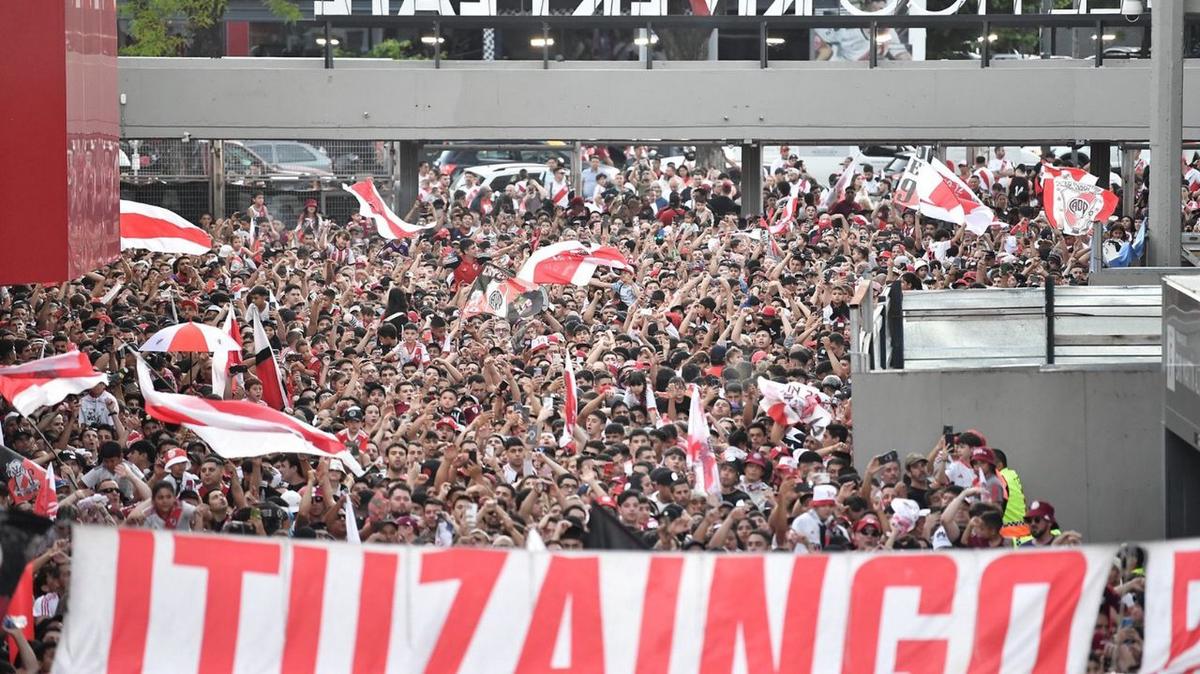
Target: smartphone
[[255, 513], [889, 457], [948, 434], [537, 371]]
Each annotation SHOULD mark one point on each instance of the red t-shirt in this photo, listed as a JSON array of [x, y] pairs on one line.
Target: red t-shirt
[[466, 272]]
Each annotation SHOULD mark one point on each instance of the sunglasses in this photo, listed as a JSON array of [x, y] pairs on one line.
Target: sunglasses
[[870, 533], [110, 490]]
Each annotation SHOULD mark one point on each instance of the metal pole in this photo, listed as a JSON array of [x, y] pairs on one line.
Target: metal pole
[[985, 51], [328, 48], [762, 45], [895, 324], [874, 44], [577, 168], [649, 47], [1095, 259], [1099, 43], [1050, 320], [545, 46], [1166, 132], [1128, 188], [216, 179], [437, 44]]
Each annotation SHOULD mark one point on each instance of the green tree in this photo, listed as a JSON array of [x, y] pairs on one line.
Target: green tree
[[150, 24], [391, 48]]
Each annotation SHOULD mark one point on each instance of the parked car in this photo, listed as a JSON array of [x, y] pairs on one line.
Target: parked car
[[498, 176], [452, 162], [290, 152]]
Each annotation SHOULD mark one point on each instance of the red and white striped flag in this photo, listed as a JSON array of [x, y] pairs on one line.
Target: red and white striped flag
[[222, 360], [47, 381], [158, 230], [266, 368], [935, 191], [570, 262], [371, 205], [46, 503], [794, 403], [570, 402], [237, 428], [835, 195], [699, 446]]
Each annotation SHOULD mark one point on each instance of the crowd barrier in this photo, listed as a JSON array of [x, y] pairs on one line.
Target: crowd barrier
[[156, 601]]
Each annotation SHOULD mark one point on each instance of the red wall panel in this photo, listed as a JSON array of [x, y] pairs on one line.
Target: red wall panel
[[59, 130]]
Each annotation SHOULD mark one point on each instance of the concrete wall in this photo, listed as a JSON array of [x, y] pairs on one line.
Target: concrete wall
[[1089, 440], [1013, 101]]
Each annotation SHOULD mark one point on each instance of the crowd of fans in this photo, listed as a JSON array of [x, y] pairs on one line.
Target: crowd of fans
[[458, 421]]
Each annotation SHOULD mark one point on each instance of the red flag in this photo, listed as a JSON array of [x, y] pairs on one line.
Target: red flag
[[387, 224], [265, 366], [47, 381], [46, 503], [156, 229], [21, 606], [25, 478], [570, 262], [570, 403]]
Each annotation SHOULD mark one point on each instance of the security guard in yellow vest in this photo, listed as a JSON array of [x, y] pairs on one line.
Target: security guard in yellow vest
[[1014, 507]]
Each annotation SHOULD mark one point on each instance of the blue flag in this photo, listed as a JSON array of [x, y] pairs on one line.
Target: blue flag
[[1131, 251]]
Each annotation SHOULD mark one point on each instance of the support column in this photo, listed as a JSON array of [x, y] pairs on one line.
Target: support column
[[1166, 132], [1128, 188], [752, 203], [1101, 163], [577, 168], [216, 179], [408, 155]]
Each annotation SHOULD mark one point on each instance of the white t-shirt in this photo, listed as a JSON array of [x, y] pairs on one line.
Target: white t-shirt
[[94, 411]]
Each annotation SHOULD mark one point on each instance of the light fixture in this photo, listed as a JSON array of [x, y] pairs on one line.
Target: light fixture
[[1108, 37], [775, 41], [432, 39], [332, 41], [541, 42], [992, 37], [642, 42]]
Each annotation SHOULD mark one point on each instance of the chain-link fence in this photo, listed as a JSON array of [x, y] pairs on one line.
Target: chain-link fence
[[193, 177]]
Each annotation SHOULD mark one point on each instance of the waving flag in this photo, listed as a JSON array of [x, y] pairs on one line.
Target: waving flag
[[934, 191], [371, 205], [699, 446], [793, 403], [509, 298], [570, 402], [47, 381], [46, 502], [25, 478], [238, 428], [1073, 201], [222, 360], [570, 262], [158, 230], [835, 195], [265, 366], [1131, 251]]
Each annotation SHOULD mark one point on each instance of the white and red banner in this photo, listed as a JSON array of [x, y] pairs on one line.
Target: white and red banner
[[1172, 618], [570, 262], [181, 603], [935, 191], [794, 403], [239, 428], [266, 367], [699, 446], [570, 402], [371, 205], [839, 188], [47, 381], [158, 230], [1073, 201]]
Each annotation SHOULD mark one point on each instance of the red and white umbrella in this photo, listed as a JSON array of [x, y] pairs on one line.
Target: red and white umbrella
[[191, 337]]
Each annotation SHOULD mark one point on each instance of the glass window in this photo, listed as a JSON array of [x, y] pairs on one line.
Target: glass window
[[293, 154], [263, 150]]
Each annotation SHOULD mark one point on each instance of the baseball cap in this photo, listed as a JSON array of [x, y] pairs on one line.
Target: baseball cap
[[354, 414], [824, 495], [984, 454], [176, 456], [1039, 510], [867, 521], [913, 459], [757, 459]]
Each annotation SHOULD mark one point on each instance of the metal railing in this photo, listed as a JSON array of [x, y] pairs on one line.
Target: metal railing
[[980, 328], [982, 26]]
